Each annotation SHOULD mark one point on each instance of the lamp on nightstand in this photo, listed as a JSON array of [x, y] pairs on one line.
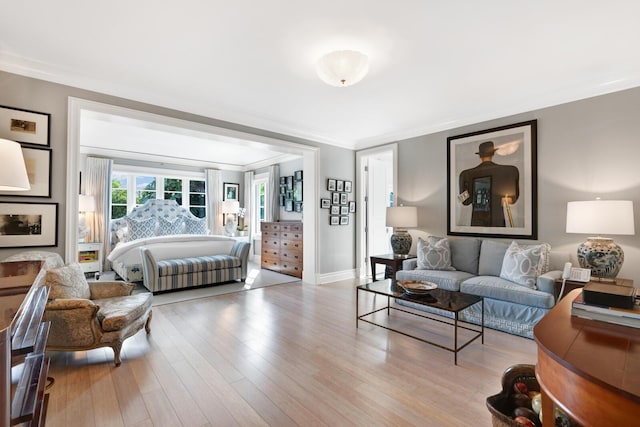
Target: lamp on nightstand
[[86, 204], [401, 218], [601, 254], [229, 208]]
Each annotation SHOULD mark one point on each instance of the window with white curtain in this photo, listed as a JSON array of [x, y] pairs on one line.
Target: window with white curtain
[[261, 201], [133, 186]]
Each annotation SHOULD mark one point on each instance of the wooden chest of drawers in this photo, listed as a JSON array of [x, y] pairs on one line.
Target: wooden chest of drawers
[[282, 247]]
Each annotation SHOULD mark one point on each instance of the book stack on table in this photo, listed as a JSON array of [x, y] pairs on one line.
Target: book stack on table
[[608, 303]]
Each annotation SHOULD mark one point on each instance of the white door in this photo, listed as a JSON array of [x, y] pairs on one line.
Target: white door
[[378, 173]]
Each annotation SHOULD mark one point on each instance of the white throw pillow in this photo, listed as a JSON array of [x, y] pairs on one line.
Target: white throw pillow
[[521, 264], [434, 254]]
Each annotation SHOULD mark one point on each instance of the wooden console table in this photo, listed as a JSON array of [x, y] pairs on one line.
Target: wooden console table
[[589, 369]]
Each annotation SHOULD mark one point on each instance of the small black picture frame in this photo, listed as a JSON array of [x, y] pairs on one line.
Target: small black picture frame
[[352, 207], [344, 210], [334, 220], [335, 210], [339, 185], [343, 198], [325, 203], [335, 198], [348, 186], [331, 184], [297, 175], [344, 220], [297, 206]]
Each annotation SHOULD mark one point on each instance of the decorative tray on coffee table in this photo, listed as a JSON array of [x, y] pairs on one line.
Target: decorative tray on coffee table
[[416, 287]]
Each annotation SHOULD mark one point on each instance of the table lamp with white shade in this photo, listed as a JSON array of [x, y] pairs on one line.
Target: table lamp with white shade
[[601, 217], [86, 204], [401, 218], [13, 173], [229, 208]]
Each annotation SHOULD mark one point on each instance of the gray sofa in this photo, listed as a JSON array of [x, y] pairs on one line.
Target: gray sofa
[[476, 267]]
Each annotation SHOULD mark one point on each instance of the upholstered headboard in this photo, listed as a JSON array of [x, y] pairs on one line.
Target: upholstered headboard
[[168, 210]]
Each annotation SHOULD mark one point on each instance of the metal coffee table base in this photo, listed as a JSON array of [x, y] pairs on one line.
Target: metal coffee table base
[[456, 324]]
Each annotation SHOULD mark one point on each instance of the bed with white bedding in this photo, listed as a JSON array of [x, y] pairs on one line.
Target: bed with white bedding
[[167, 228], [126, 258]]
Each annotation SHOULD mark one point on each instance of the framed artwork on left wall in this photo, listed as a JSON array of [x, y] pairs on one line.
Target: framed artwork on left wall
[[28, 224], [26, 126]]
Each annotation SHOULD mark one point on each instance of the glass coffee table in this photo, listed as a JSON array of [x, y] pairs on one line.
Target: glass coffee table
[[452, 302]]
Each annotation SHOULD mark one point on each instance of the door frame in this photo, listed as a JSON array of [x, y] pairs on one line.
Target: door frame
[[362, 262], [310, 159]]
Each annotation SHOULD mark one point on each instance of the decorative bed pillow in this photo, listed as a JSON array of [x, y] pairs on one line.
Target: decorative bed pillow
[[67, 281], [195, 226], [141, 229], [168, 227], [434, 254], [521, 264]]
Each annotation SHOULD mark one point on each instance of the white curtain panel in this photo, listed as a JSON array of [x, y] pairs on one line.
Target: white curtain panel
[[248, 201], [214, 198], [97, 183], [273, 213]]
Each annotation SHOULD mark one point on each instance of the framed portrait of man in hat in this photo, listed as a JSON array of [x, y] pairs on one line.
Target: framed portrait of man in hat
[[492, 182]]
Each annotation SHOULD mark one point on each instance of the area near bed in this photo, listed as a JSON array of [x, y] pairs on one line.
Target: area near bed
[[171, 234]]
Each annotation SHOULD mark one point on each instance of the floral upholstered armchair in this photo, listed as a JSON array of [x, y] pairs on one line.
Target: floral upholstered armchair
[[86, 315]]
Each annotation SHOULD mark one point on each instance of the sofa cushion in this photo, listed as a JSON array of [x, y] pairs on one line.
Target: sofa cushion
[[449, 280], [465, 254], [434, 254], [505, 290], [67, 281], [169, 226], [117, 312], [141, 229], [171, 267], [491, 257], [522, 265]]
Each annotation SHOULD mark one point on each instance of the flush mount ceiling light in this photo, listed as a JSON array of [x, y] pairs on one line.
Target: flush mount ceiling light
[[342, 67]]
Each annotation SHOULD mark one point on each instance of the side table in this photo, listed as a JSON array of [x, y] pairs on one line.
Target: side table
[[571, 285], [90, 256], [392, 261]]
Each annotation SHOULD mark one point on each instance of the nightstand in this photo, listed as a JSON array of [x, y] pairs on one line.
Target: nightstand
[[90, 256]]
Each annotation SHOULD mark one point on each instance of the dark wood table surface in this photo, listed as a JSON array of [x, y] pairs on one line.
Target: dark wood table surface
[[590, 369]]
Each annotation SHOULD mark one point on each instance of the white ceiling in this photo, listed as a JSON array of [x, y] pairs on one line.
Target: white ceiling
[[434, 65]]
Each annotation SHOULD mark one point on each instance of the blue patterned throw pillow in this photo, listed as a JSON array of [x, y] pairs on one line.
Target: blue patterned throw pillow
[[169, 227], [521, 264], [195, 226], [434, 254], [141, 229]]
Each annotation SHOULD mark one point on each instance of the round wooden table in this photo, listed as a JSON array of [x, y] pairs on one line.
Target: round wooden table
[[589, 369]]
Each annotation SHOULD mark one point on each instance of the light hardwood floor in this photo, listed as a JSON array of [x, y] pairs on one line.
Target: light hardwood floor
[[284, 355]]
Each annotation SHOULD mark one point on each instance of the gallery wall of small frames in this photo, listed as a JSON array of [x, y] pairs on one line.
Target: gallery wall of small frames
[[339, 205], [291, 192]]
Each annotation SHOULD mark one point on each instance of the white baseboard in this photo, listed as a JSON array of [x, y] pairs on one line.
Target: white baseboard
[[335, 276]]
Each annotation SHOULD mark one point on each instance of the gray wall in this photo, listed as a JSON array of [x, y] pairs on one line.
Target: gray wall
[[586, 149], [37, 95]]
